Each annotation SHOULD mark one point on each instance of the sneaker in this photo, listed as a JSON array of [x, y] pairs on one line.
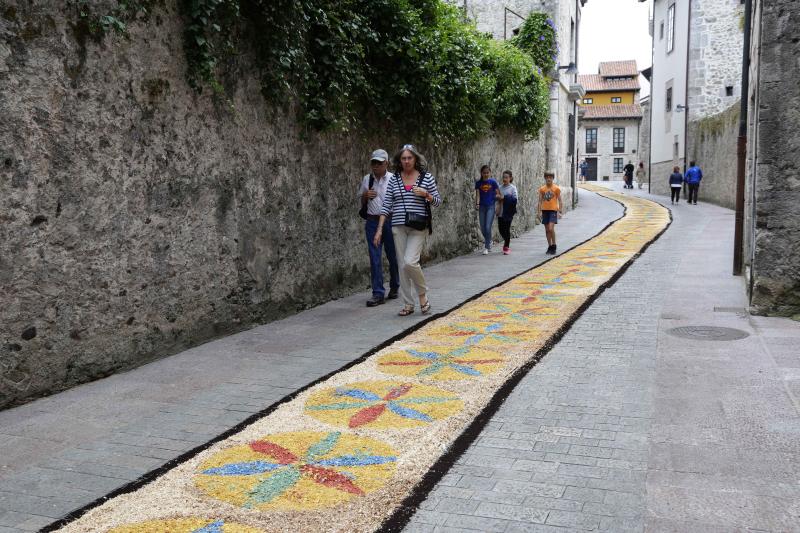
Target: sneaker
[[506, 250], [485, 251], [375, 301], [392, 294]]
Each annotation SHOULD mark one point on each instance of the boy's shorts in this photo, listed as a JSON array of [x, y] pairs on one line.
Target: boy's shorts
[[549, 216]]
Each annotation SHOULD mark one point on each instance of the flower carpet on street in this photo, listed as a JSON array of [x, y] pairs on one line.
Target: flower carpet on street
[[350, 452]]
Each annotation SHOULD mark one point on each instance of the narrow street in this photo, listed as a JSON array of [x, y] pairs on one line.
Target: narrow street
[[622, 426], [626, 427]]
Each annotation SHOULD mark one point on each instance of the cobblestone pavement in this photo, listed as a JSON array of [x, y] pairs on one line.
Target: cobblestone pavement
[[63, 452], [624, 427]]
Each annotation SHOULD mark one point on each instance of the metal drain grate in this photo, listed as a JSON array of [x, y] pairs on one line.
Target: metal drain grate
[[708, 333]]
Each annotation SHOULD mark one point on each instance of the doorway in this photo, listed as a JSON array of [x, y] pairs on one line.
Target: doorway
[[591, 172]]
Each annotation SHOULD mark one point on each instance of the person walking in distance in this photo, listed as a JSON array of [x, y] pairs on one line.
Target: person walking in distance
[[641, 174], [584, 168], [675, 182], [407, 203], [487, 192], [550, 208], [693, 177], [372, 192], [507, 208], [628, 170]]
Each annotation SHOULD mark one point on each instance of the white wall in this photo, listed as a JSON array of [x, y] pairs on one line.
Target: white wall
[[668, 67]]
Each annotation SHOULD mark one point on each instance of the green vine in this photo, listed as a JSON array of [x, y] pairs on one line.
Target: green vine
[[537, 36], [412, 65]]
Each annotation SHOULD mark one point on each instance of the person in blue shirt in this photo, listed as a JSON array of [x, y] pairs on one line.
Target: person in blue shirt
[[675, 182], [487, 192], [692, 177]]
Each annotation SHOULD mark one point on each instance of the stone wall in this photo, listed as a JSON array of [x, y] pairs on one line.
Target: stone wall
[[139, 218], [715, 56], [773, 202], [712, 145]]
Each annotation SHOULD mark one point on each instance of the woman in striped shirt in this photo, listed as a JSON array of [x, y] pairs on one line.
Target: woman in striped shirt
[[412, 190]]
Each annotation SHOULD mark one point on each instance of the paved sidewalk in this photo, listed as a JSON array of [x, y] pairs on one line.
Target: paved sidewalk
[[62, 452], [624, 427]]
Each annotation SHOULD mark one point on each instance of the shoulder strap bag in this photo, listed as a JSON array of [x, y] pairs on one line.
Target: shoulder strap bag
[[415, 220], [363, 211]]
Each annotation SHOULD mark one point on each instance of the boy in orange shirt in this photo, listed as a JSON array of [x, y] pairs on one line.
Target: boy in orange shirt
[[550, 209]]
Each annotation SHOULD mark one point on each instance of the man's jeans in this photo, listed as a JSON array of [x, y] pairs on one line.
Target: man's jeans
[[375, 263], [486, 219], [693, 187]]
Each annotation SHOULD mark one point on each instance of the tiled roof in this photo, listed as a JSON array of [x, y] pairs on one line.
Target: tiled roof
[[619, 68], [596, 83], [592, 112]]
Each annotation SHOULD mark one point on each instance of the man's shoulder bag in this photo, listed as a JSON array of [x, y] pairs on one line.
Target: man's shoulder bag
[[363, 211]]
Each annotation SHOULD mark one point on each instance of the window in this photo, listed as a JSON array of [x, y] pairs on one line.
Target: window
[[619, 140], [591, 140], [616, 99], [671, 28], [588, 100], [729, 90], [617, 165], [668, 100], [661, 31]]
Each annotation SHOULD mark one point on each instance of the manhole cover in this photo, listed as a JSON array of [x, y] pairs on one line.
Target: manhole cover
[[708, 333]]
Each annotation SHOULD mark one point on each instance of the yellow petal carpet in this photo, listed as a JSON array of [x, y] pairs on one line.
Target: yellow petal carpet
[[355, 451]]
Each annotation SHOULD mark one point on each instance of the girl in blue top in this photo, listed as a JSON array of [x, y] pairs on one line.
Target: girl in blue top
[[675, 182], [487, 192]]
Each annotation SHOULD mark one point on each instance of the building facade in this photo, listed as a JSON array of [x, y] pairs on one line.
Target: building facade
[[696, 73], [501, 19], [771, 214], [610, 120]]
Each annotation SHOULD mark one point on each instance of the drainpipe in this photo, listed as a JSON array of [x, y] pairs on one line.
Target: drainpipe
[[573, 148], [650, 106], [687, 107], [741, 145]]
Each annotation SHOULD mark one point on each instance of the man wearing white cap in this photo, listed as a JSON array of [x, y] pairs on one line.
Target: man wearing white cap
[[371, 192]]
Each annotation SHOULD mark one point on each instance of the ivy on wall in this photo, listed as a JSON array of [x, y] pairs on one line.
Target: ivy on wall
[[415, 65]]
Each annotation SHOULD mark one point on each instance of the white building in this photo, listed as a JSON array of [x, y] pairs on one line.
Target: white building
[[696, 72], [610, 120]]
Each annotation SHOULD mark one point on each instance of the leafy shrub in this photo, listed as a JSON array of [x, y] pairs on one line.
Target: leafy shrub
[[414, 65], [537, 37]]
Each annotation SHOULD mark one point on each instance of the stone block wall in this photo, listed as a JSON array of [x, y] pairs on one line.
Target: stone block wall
[[715, 56], [138, 218], [773, 203], [712, 145]]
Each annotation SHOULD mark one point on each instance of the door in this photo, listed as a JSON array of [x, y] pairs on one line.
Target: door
[[591, 172]]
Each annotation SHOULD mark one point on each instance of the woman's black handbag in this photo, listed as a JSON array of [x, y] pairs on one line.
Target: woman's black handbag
[[415, 220]]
